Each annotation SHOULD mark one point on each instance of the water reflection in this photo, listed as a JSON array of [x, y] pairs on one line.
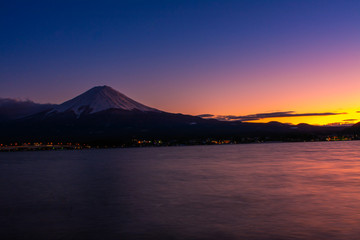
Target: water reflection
[[254, 191]]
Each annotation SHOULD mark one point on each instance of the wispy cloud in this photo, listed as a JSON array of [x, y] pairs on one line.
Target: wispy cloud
[[258, 116], [206, 115], [349, 120], [14, 108]]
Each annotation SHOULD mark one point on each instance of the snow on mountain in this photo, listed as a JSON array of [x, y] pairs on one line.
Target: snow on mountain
[[99, 99]]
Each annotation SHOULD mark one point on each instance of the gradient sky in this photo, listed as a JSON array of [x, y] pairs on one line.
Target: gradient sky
[[194, 57]]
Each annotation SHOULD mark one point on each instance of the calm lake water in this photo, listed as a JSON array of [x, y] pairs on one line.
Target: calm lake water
[[253, 191]]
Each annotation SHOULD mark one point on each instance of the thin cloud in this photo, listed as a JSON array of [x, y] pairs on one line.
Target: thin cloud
[[206, 115], [259, 116], [15, 108]]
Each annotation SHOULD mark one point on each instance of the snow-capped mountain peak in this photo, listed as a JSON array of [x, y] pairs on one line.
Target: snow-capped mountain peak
[[101, 98]]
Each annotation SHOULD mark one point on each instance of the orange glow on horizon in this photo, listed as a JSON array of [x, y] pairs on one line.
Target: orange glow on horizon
[[349, 117], [334, 120], [315, 82]]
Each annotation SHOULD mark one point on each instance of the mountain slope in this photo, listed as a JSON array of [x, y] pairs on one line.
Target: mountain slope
[[99, 99], [103, 115], [14, 109]]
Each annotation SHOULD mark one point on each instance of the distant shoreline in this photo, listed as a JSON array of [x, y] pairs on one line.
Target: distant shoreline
[[59, 147]]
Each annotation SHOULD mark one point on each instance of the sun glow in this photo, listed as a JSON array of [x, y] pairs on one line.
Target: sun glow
[[350, 117]]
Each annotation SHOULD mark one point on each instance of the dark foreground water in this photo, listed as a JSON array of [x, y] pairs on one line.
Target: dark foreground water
[[255, 191]]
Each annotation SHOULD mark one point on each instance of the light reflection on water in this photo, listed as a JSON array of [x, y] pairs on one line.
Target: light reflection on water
[[253, 191]]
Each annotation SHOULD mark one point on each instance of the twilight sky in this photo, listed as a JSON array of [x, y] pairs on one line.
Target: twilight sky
[[238, 58]]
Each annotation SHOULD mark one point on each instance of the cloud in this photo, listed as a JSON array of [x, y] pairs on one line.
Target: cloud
[[206, 115], [349, 120], [13, 108], [259, 116]]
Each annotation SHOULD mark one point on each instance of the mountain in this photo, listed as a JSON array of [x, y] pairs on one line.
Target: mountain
[[103, 115], [101, 98], [354, 129], [15, 109]]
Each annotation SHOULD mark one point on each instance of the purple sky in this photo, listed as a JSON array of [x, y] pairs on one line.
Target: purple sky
[[218, 57]]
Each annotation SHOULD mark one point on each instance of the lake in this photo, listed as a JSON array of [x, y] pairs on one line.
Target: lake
[[249, 191]]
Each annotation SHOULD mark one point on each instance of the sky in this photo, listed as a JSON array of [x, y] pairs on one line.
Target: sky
[[289, 61]]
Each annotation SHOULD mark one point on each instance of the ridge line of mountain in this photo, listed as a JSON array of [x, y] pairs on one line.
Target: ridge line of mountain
[[105, 115]]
